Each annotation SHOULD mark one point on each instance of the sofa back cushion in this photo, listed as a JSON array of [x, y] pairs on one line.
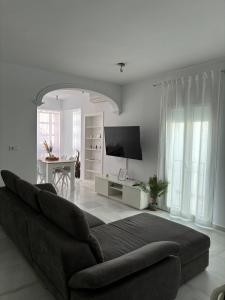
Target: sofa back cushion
[[70, 218], [46, 187], [10, 179], [15, 216], [57, 255], [28, 193]]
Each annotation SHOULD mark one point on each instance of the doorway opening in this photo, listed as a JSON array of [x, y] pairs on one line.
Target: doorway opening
[[65, 139]]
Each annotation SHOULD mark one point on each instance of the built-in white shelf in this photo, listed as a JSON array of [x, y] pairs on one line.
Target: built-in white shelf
[[93, 160], [117, 198], [93, 149], [93, 130], [92, 171], [116, 188]]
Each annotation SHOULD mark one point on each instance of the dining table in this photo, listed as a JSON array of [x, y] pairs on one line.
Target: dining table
[[52, 165]]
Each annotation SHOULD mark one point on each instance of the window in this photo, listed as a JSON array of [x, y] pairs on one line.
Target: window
[[48, 129], [187, 161], [76, 130]]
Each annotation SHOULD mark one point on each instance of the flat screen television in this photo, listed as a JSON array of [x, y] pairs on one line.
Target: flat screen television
[[123, 141]]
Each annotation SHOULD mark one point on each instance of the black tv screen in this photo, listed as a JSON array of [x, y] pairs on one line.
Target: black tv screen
[[123, 141]]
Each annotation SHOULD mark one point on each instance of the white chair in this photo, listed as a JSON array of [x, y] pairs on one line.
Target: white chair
[[41, 172], [64, 177], [64, 174]]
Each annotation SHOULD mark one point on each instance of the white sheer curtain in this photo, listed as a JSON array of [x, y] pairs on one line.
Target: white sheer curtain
[[76, 131], [188, 144]]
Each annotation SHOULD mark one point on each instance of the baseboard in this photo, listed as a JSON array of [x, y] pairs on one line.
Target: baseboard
[[219, 227]]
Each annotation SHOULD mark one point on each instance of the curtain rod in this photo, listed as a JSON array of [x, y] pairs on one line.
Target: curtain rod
[[157, 84]]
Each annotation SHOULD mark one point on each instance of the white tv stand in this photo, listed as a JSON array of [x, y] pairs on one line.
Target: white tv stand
[[121, 190]]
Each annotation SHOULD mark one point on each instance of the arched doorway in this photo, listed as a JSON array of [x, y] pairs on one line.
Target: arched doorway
[[115, 105], [57, 110]]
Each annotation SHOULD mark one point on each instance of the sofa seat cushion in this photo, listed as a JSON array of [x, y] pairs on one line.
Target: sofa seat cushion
[[125, 235], [9, 179], [69, 217], [28, 193], [115, 242]]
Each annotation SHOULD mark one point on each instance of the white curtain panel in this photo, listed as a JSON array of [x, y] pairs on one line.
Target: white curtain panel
[[188, 144], [76, 131]]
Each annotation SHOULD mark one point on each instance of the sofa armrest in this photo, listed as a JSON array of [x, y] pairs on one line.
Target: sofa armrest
[[46, 187], [108, 272]]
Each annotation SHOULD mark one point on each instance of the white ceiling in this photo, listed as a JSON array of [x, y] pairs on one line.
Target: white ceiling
[[88, 37], [64, 94]]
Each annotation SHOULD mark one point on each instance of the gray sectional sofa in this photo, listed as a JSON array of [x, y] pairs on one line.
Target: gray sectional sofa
[[79, 257]]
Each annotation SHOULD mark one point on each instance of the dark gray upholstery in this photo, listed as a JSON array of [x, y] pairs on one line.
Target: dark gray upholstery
[[9, 179], [28, 193], [15, 217], [70, 218], [158, 282], [46, 187], [57, 254], [64, 214], [66, 247], [104, 274], [126, 235], [92, 220]]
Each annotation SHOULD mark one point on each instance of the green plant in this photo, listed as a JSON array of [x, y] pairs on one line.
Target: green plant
[[156, 188]]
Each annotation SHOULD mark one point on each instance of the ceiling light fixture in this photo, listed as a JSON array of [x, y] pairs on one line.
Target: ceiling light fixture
[[121, 65]]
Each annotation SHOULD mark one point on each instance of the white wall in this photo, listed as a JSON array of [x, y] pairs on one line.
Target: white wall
[[141, 106], [66, 106], [50, 104], [18, 88]]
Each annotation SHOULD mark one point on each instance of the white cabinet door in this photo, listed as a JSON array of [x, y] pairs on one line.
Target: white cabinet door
[[131, 196], [101, 186]]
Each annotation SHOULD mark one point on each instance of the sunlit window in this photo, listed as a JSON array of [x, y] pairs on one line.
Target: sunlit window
[[48, 129]]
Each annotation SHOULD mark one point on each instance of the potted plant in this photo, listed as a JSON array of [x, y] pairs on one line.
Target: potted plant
[[77, 165], [154, 188], [49, 149]]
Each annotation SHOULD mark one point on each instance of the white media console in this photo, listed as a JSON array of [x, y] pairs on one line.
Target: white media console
[[121, 190]]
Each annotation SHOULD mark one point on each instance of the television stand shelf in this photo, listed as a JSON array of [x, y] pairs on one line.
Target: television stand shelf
[[121, 190]]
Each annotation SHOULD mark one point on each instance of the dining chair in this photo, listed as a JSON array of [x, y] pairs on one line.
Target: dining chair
[[64, 174]]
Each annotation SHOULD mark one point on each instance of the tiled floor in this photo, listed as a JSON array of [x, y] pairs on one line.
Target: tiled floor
[[19, 282]]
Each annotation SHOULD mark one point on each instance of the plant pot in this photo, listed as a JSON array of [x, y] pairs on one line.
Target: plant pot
[[153, 205], [148, 202]]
